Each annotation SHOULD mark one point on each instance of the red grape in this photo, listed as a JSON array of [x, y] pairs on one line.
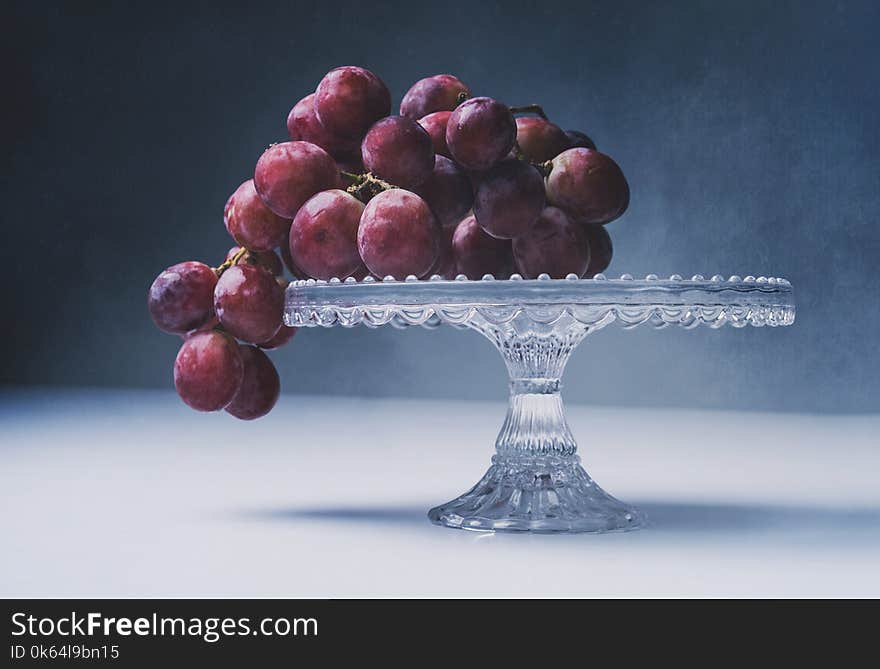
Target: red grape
[[398, 235], [349, 100], [601, 249], [250, 222], [447, 191], [289, 173], [435, 125], [578, 139], [398, 150], [588, 185], [554, 245], [285, 334], [295, 271], [442, 92], [268, 260], [181, 297], [480, 132], [259, 388], [249, 303], [207, 326], [476, 253], [208, 371], [323, 237], [540, 140], [509, 199], [302, 124]]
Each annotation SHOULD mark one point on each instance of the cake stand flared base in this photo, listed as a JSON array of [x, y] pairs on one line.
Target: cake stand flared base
[[537, 494]]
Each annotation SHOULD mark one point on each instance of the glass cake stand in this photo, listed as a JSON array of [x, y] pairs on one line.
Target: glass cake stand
[[536, 482]]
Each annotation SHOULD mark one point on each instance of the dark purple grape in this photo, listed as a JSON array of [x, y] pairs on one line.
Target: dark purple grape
[[588, 185], [182, 297], [601, 249], [352, 165], [250, 222], [260, 385], [540, 140], [447, 191], [476, 253], [303, 125], [435, 125], [398, 235], [285, 334], [442, 92], [475, 177], [323, 237], [208, 371], [352, 162], [480, 132], [349, 100], [399, 150], [554, 245], [578, 139], [289, 173], [249, 303], [268, 260], [362, 273], [444, 265], [509, 199]]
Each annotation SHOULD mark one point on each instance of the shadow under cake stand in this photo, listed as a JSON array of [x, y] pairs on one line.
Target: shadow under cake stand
[[536, 482]]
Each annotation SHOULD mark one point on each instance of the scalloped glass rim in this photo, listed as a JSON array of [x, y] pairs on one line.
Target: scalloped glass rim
[[595, 302]]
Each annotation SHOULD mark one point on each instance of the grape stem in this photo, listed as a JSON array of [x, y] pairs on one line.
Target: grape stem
[[366, 186], [229, 262], [530, 109], [544, 168]]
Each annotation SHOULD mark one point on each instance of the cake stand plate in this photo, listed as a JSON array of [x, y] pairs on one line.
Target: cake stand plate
[[536, 482]]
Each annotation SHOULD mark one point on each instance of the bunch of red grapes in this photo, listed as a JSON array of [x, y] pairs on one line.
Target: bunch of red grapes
[[454, 185]]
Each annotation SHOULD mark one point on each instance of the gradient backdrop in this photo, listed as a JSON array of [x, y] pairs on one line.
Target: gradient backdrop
[[749, 132]]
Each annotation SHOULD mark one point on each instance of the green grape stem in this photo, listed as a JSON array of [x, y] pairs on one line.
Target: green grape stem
[[229, 262]]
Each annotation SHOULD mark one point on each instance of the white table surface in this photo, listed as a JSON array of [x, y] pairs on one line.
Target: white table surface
[[129, 493]]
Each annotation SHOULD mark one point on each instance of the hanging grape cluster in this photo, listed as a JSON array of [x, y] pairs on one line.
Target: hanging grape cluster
[[453, 185]]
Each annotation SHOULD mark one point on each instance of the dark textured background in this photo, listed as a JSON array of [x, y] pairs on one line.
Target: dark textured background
[[748, 130]]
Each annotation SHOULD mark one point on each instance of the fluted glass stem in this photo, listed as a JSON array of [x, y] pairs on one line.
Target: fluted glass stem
[[535, 422]]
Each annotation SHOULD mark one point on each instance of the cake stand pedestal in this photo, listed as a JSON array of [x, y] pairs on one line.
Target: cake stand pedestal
[[536, 482]]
